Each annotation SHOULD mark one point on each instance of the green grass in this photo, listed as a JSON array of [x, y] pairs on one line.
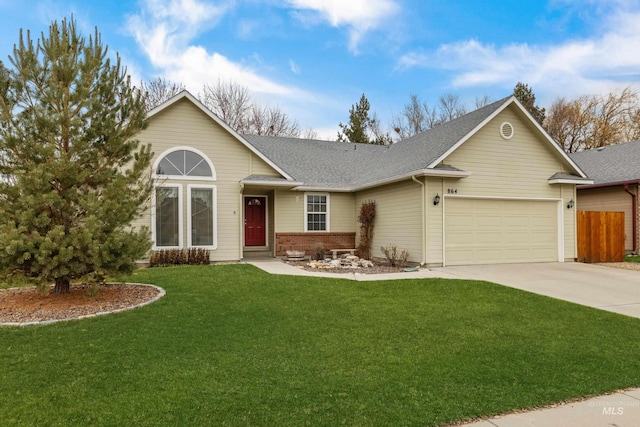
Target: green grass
[[231, 345], [632, 258]]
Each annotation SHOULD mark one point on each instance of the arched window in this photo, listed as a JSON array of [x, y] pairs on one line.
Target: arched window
[[184, 163]]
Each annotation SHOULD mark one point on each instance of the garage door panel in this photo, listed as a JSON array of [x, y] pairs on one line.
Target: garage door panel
[[482, 231]]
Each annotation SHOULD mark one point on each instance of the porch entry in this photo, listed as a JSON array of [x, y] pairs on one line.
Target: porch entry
[[255, 219]]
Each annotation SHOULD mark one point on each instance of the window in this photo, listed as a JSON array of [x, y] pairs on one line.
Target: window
[[202, 216], [169, 200], [316, 212], [168, 217], [184, 163]]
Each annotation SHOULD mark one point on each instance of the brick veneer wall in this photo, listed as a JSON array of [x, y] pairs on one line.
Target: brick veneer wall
[[307, 242]]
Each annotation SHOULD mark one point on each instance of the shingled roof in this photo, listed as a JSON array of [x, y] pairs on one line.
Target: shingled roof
[[342, 165], [611, 164]]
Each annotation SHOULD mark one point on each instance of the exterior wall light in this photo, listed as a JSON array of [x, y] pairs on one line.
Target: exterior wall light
[[436, 200], [570, 204]]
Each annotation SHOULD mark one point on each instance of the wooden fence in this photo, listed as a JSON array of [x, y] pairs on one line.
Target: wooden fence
[[600, 236]]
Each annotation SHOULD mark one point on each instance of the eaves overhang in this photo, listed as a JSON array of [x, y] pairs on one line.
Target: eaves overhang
[[608, 184], [445, 173]]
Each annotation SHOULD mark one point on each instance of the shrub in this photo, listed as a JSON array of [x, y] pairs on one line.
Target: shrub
[[321, 251], [366, 219], [393, 258], [167, 257]]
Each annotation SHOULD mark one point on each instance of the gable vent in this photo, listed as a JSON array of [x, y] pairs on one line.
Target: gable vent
[[506, 130]]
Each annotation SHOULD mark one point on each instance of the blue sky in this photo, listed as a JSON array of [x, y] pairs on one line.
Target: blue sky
[[314, 58]]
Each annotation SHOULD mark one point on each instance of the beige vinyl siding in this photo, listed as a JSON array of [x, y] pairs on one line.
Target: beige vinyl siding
[[434, 221], [257, 166], [516, 168], [609, 199], [519, 167], [398, 217], [570, 224], [343, 217], [183, 124], [289, 212]]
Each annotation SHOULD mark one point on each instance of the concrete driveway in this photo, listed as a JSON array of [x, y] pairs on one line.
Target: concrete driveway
[[607, 288]]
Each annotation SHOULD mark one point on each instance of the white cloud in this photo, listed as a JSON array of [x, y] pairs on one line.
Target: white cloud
[[295, 69], [590, 65], [360, 16], [165, 30]]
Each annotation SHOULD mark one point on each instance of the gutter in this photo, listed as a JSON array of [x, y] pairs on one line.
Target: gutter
[[424, 221], [609, 184], [398, 178], [634, 214]]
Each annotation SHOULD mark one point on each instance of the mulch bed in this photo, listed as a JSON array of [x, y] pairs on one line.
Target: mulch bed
[[25, 305]]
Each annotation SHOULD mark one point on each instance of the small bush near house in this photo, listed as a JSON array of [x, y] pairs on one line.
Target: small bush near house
[[321, 251], [168, 257], [366, 219], [394, 258]]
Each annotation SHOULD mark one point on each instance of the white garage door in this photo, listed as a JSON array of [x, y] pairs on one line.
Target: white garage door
[[483, 231]]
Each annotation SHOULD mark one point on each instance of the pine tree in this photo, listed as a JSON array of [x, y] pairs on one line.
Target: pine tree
[[361, 124], [73, 176], [525, 95]]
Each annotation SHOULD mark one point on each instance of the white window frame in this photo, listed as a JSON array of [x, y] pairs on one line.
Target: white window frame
[[180, 217], [214, 214], [306, 223], [182, 177]]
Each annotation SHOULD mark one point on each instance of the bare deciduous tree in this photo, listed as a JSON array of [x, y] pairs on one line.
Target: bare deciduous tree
[[483, 101], [310, 133], [416, 117], [272, 121], [232, 102], [229, 101], [568, 122], [451, 107], [593, 121], [159, 90]]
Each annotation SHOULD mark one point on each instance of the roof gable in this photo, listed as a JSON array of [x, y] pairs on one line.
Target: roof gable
[[185, 95], [500, 106]]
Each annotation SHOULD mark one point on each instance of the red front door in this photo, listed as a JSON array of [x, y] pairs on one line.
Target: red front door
[[255, 221]]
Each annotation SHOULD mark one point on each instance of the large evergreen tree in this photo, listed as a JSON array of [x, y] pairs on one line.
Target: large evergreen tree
[[73, 176]]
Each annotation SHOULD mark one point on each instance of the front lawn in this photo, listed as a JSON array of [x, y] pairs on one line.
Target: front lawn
[[632, 258], [231, 345]]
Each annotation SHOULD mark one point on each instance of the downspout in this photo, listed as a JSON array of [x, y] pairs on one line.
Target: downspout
[[424, 222], [634, 220], [241, 223]]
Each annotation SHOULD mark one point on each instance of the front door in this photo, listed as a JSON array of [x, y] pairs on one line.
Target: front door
[[255, 215]]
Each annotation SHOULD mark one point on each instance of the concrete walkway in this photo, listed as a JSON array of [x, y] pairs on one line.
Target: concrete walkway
[[596, 286]]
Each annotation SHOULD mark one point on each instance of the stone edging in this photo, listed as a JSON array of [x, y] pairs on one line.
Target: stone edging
[[101, 313]]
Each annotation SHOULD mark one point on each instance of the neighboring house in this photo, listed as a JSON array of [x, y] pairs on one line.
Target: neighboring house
[[615, 171], [488, 187]]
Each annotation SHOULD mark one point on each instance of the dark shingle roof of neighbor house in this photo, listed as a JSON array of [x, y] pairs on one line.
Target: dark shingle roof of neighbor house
[[346, 165], [614, 163]]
